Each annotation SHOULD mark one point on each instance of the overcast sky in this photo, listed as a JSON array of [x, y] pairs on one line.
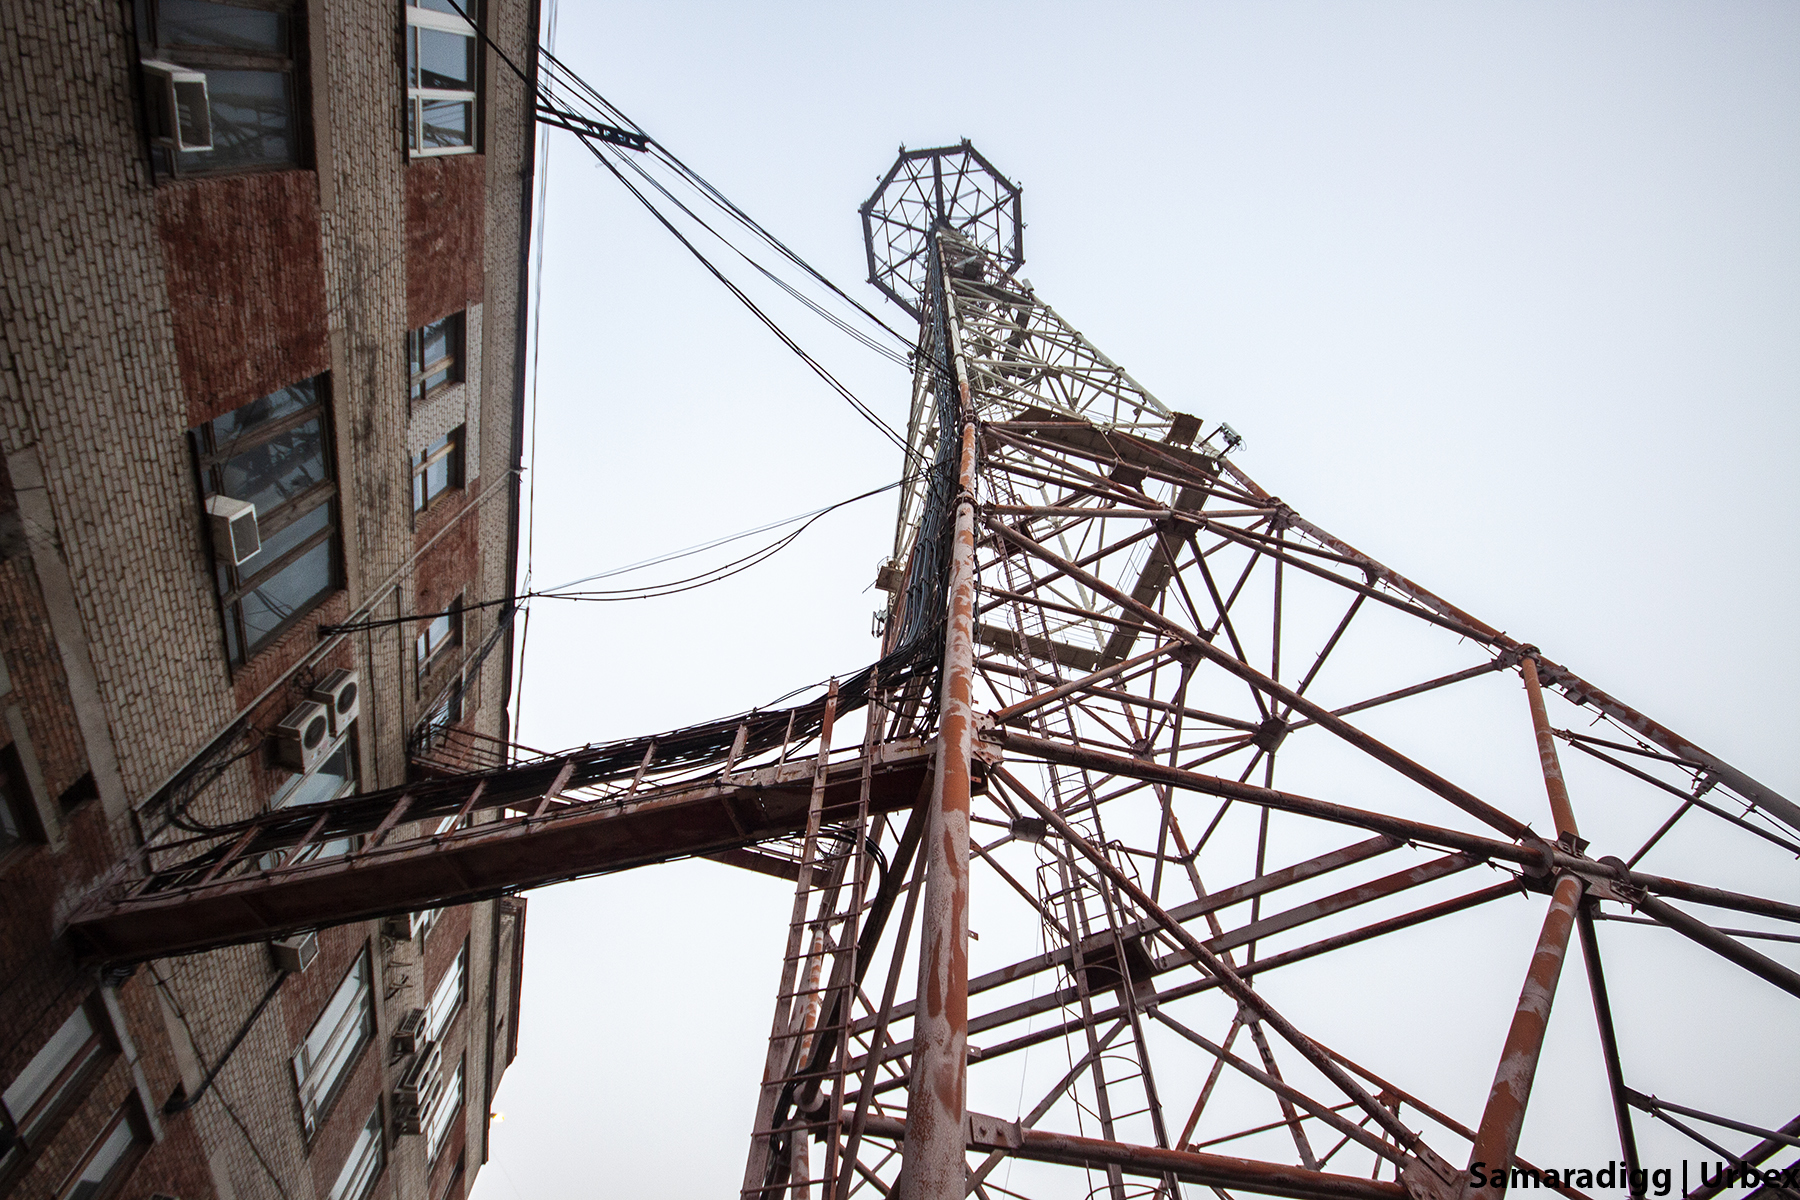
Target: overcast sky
[[1506, 296]]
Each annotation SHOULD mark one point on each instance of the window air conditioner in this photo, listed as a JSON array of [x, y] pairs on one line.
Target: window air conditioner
[[341, 694], [303, 736], [295, 954], [234, 530], [419, 1090], [408, 1032], [404, 927], [180, 114]]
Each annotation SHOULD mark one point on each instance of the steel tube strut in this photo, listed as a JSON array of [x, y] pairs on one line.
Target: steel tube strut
[[1497, 1137], [935, 1162]]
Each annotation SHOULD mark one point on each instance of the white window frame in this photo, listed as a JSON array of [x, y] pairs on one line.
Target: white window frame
[[425, 18], [352, 782], [442, 1117], [447, 1000], [362, 1166], [317, 1076]]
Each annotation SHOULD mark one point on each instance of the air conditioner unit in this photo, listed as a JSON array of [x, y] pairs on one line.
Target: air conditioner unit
[[404, 927], [303, 736], [234, 530], [419, 1089], [295, 954], [408, 1033], [341, 693], [180, 114]]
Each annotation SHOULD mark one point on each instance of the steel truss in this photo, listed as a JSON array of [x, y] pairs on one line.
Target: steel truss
[[1137, 633]]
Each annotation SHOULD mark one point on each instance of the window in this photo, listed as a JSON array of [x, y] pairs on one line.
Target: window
[[273, 453], [434, 355], [437, 468], [439, 635], [331, 1046], [18, 821], [253, 90], [43, 1092], [331, 779], [448, 997], [111, 1156], [443, 1114], [368, 1154], [447, 712], [440, 77]]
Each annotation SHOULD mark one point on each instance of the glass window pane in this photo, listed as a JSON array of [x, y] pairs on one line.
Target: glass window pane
[[63, 1048], [198, 23], [106, 1160], [252, 122], [445, 123], [297, 531], [325, 783], [437, 476], [447, 998], [289, 591], [446, 60], [412, 57], [438, 340], [278, 469], [363, 1163], [442, 1115], [272, 407]]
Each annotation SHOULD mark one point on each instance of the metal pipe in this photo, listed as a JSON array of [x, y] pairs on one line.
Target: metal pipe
[[1757, 964], [1560, 809], [1609, 1043], [934, 1164], [1497, 1137]]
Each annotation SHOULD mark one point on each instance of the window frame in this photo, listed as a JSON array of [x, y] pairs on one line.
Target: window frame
[[316, 1101], [239, 581], [427, 655], [131, 1115], [415, 16], [419, 371], [27, 1133], [457, 977], [443, 715], [441, 1120], [165, 162], [422, 462], [361, 1151]]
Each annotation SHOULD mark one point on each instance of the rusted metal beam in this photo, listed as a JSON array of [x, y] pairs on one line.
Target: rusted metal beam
[[489, 859], [1760, 965], [1371, 746], [1229, 980], [1533, 854], [1609, 1040], [1212, 1170], [933, 1165]]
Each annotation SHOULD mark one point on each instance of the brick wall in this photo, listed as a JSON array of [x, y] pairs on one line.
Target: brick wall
[[246, 278], [445, 228]]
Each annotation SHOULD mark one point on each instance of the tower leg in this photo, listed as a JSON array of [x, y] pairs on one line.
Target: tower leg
[[934, 1163]]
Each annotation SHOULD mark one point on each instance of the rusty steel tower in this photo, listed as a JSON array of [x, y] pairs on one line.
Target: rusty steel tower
[[1167, 838]]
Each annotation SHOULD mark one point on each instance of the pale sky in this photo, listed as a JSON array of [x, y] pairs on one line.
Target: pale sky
[[1508, 296]]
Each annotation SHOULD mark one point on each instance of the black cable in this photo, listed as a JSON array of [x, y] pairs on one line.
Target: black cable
[[181, 1015]]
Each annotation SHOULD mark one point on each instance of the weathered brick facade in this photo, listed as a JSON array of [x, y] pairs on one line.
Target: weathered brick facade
[[135, 307]]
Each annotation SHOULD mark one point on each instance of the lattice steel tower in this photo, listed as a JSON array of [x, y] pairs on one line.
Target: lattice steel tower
[[1102, 638]]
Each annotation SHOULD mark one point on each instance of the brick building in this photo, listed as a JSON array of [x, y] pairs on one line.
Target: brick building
[[262, 269]]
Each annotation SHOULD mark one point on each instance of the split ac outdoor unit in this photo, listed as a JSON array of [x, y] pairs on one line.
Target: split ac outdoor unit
[[234, 530], [303, 736], [180, 114], [408, 1032], [295, 954], [341, 694], [419, 1089]]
